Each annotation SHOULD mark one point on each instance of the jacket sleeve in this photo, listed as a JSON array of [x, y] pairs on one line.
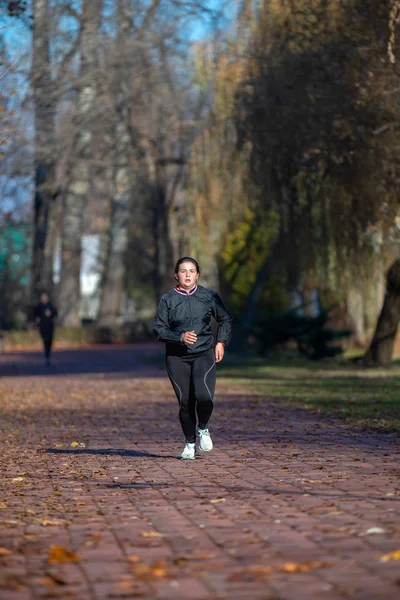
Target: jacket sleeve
[[223, 318], [161, 327]]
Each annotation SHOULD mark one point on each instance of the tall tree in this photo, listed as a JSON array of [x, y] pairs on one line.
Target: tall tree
[[114, 267], [312, 118], [79, 176], [44, 112]]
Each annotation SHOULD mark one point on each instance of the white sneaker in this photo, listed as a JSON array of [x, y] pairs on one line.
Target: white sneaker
[[189, 452], [205, 440]]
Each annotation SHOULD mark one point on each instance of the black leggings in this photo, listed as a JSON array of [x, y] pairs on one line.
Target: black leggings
[[193, 379], [47, 337]]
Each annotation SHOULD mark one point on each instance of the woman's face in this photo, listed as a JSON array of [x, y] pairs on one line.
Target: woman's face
[[187, 275]]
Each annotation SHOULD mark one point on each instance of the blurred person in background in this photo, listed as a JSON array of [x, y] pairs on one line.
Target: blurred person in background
[[45, 314]]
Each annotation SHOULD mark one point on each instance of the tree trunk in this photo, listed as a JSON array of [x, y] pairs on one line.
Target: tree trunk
[[163, 254], [381, 348], [51, 244], [114, 268], [161, 234], [74, 201], [44, 112], [355, 308]]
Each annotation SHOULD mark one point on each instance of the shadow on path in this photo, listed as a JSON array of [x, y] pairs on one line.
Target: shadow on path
[[116, 361], [109, 452]]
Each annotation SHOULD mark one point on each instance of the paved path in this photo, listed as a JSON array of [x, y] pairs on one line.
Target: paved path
[[95, 505]]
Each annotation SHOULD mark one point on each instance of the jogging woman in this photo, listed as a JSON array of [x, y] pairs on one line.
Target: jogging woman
[[183, 322]]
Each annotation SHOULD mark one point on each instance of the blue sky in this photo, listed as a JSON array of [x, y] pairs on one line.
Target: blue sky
[[16, 36]]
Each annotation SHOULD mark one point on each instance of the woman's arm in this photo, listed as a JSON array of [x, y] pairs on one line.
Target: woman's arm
[[223, 318], [161, 327]]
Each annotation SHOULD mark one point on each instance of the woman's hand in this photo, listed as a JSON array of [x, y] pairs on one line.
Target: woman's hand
[[219, 352], [189, 337]]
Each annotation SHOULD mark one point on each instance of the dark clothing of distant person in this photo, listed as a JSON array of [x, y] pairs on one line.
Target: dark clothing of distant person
[[44, 315]]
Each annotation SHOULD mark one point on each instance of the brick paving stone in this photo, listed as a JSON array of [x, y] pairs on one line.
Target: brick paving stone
[[89, 463]]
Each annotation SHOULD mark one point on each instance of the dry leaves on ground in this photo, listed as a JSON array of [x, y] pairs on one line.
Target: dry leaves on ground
[[395, 555], [258, 572], [59, 555], [143, 571]]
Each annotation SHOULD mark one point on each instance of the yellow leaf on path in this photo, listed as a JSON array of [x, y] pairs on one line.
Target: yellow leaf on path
[[142, 570], [74, 444], [151, 534], [217, 500], [390, 556], [4, 552], [50, 522], [3, 505], [259, 571], [158, 569], [303, 567], [133, 558], [59, 554], [126, 585]]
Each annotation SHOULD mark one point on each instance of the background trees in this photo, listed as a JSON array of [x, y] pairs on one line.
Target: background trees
[[267, 148], [313, 117]]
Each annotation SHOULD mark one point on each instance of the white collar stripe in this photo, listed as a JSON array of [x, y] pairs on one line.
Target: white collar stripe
[[186, 293]]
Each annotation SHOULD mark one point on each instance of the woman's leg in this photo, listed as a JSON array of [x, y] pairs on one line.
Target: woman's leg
[[179, 371], [204, 378]]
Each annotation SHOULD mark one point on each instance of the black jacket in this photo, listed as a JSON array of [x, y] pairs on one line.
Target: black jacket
[[178, 312], [44, 320]]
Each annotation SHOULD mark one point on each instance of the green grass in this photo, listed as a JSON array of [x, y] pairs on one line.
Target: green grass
[[364, 397]]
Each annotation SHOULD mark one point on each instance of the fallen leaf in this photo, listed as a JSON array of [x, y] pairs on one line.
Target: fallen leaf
[[395, 555], [50, 522], [303, 567], [126, 585], [158, 569], [17, 479], [142, 571], [217, 500], [372, 530], [151, 534], [133, 558], [258, 572], [93, 541], [59, 554], [4, 552], [74, 444]]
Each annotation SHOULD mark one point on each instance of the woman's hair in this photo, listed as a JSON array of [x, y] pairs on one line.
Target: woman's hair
[[187, 259]]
